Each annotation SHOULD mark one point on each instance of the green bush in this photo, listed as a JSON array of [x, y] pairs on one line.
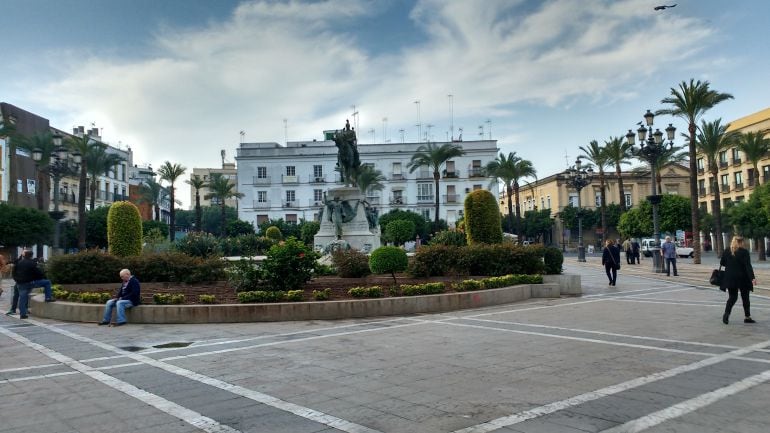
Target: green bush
[[322, 295], [322, 269], [199, 244], [366, 292], [469, 285], [422, 227], [497, 282], [436, 260], [273, 233], [295, 295], [245, 245], [262, 296], [207, 299], [399, 231], [85, 267], [449, 237], [422, 289], [244, 276], [288, 266], [351, 263], [482, 218], [388, 260], [479, 259], [308, 230], [168, 298], [124, 229], [553, 260]]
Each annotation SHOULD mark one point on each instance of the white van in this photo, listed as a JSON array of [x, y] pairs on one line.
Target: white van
[[649, 243]]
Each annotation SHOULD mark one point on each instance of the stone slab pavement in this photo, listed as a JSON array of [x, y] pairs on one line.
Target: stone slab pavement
[[650, 354]]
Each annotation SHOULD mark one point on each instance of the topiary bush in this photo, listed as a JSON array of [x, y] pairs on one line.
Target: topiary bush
[[273, 233], [351, 263], [449, 237], [85, 267], [124, 229], [553, 259], [245, 245], [399, 231], [289, 265], [199, 244], [388, 259], [479, 259], [482, 218]]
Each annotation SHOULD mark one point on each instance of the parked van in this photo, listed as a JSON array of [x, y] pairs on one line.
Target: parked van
[[649, 243]]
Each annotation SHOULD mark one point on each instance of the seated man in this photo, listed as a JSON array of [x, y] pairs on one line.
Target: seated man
[[27, 276], [126, 297]]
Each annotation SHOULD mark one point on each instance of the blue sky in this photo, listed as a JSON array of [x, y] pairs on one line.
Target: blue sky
[[178, 80]]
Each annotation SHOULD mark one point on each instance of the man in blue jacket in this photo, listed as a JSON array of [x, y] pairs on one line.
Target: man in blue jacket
[[127, 297], [28, 275]]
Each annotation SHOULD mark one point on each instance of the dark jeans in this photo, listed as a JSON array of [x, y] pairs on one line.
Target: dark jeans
[[629, 257], [669, 262], [733, 297], [24, 290], [15, 299], [612, 273]]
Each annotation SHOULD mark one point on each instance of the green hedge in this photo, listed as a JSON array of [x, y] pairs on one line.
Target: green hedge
[[273, 296], [422, 289], [478, 259], [124, 229], [497, 282], [366, 292]]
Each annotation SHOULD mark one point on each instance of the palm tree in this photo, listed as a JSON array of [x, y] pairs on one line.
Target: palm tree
[[149, 193], [368, 178], [80, 145], [99, 163], [618, 152], [755, 146], [196, 182], [222, 189], [510, 170], [689, 103], [712, 139], [598, 156], [434, 156], [170, 173]]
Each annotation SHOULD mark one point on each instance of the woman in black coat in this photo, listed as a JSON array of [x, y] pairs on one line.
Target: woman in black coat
[[739, 276], [611, 260]]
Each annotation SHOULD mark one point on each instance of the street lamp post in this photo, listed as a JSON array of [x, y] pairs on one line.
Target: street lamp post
[[578, 178], [651, 148], [60, 164]]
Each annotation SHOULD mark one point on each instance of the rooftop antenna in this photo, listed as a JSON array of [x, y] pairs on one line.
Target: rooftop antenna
[[243, 134], [418, 125], [222, 154], [401, 131], [286, 131], [427, 133], [355, 116], [489, 126], [566, 158], [481, 131], [451, 116], [371, 131], [384, 129]]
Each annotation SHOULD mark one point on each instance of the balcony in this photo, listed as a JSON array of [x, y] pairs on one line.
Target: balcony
[[454, 174], [425, 175], [315, 203], [373, 199], [426, 199], [701, 170], [260, 180], [290, 204], [736, 161], [396, 177], [724, 188], [316, 179], [723, 164], [475, 172], [261, 204], [289, 179], [752, 182], [451, 198], [397, 200], [701, 192], [712, 190], [739, 186]]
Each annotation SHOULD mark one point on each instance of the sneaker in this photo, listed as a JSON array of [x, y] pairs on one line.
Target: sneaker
[[749, 320], [103, 323], [50, 300], [120, 324], [10, 313], [23, 317], [726, 318]]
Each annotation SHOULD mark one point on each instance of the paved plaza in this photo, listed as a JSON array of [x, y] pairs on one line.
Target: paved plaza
[[648, 355]]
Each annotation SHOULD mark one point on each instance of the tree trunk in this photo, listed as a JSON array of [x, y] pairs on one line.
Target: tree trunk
[[717, 210], [620, 188], [694, 210], [172, 226], [92, 204], [82, 206], [436, 178], [224, 227], [518, 211], [761, 248], [509, 190], [603, 207], [198, 211]]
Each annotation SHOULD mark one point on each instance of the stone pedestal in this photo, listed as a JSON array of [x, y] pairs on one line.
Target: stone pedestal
[[355, 232]]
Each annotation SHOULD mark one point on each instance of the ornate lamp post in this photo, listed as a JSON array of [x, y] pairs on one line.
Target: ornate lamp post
[[651, 148], [579, 178], [61, 163]]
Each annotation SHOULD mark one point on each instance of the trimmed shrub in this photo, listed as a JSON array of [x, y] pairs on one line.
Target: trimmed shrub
[[168, 298], [84, 267], [479, 259], [288, 266], [482, 218], [262, 296], [366, 292], [295, 295], [553, 260], [273, 233], [322, 295], [388, 260], [469, 285], [399, 231], [207, 299], [449, 237], [245, 245], [436, 260], [199, 244], [351, 263], [124, 229], [322, 269], [422, 227], [422, 289], [244, 275]]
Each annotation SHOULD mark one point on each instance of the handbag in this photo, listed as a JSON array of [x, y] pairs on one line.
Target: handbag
[[717, 276], [615, 264]]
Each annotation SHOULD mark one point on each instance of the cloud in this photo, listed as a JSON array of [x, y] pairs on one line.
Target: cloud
[[305, 62]]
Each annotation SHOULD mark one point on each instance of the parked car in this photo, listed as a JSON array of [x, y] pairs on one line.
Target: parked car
[[649, 243]]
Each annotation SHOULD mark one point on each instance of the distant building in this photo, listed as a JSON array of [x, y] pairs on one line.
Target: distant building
[[228, 171], [289, 182]]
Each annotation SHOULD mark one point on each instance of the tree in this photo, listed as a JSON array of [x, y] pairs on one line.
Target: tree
[[160, 226], [196, 182], [538, 225], [149, 193], [99, 162], [96, 227], [618, 152], [81, 145], [634, 224], [170, 173], [369, 179], [24, 226], [399, 231], [712, 139], [755, 146], [598, 156], [434, 156], [421, 227], [510, 170], [752, 218], [689, 103], [124, 230], [482, 218], [222, 189], [674, 212]]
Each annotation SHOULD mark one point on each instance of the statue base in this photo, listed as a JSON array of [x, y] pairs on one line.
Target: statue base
[[355, 232]]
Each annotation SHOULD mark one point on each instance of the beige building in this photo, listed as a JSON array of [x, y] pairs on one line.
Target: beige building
[[553, 193], [228, 170]]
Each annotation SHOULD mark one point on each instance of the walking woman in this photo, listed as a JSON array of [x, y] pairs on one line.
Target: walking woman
[[611, 260], [739, 276]]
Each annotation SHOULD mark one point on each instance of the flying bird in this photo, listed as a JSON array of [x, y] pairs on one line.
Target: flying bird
[[662, 7]]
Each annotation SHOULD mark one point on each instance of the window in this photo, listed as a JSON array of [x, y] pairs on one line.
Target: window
[[598, 199], [736, 155], [723, 157], [450, 169], [572, 199], [291, 218], [477, 187], [261, 196], [548, 201], [627, 196], [738, 178], [700, 164], [261, 173], [290, 170], [290, 195], [261, 219], [724, 179], [31, 186], [542, 203], [425, 214], [19, 185], [397, 170], [424, 191], [318, 195], [318, 171]]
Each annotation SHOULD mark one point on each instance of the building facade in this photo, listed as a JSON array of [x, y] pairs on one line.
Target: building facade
[[228, 171], [289, 182]]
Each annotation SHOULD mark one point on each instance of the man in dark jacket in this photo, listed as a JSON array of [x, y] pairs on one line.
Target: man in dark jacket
[[27, 276], [128, 296]]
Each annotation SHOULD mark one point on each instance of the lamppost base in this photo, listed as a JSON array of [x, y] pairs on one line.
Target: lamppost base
[[581, 253], [658, 263]]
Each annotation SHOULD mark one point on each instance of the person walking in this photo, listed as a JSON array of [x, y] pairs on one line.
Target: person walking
[[629, 253], [27, 276], [128, 296], [611, 261], [668, 252], [739, 277], [636, 250]]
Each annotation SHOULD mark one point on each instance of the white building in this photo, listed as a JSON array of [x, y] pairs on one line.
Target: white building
[[288, 182]]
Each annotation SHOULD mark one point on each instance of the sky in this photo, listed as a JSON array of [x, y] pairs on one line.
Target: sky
[[179, 80]]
